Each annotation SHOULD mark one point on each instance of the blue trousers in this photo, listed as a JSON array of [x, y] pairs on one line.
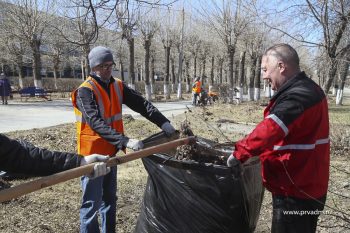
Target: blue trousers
[[195, 96], [99, 195]]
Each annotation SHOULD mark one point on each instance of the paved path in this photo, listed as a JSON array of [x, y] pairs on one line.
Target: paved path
[[29, 115]]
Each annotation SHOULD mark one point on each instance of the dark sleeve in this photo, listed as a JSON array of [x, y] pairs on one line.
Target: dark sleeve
[[86, 103], [137, 103], [22, 157]]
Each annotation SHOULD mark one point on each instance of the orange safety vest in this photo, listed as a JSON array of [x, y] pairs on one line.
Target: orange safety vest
[[197, 88], [88, 141]]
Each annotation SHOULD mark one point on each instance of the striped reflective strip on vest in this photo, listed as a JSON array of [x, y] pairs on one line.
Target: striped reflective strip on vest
[[280, 123], [119, 93], [302, 146], [99, 96], [79, 118], [115, 117]]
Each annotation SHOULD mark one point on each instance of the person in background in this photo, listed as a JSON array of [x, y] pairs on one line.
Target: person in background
[[213, 95], [5, 88], [196, 90], [292, 142], [98, 108], [22, 157]]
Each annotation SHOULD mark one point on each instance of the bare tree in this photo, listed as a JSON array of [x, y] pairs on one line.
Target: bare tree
[[167, 46], [173, 73], [187, 74], [119, 47], [27, 21], [220, 63], [253, 38], [181, 55], [343, 73], [148, 28], [56, 49], [81, 27], [153, 73], [203, 55], [257, 78], [241, 75], [127, 16], [167, 35], [212, 68], [194, 44], [330, 21], [227, 21], [15, 51]]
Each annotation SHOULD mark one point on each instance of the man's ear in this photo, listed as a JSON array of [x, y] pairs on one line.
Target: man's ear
[[281, 66]]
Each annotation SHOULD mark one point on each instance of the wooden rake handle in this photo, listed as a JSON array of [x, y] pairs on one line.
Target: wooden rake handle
[[25, 188]]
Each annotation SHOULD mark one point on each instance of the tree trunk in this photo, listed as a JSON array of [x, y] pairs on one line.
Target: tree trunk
[[188, 79], [211, 83], [343, 73], [236, 74], [147, 45], [82, 70], [167, 70], [86, 67], [194, 66], [257, 79], [241, 76], [179, 74], [335, 87], [131, 70], [121, 70], [152, 73], [331, 74], [231, 54], [221, 63], [139, 72], [20, 68], [37, 63], [173, 76], [56, 66], [251, 76], [204, 75]]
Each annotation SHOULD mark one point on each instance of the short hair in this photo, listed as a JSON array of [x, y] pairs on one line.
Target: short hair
[[285, 53]]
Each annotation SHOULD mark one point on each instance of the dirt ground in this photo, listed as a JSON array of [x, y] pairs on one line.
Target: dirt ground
[[56, 209]]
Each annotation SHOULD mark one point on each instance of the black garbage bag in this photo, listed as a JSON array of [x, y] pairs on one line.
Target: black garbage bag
[[191, 197]]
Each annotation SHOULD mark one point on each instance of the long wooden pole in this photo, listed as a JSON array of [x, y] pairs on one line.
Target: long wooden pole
[[22, 189]]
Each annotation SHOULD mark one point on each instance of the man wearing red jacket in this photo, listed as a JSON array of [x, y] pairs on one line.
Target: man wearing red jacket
[[292, 142]]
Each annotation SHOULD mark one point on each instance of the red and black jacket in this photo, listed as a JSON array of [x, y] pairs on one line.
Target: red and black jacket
[[292, 141]]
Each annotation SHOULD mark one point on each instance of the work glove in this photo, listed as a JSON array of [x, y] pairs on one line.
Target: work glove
[[232, 161], [168, 129], [100, 169], [134, 144]]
